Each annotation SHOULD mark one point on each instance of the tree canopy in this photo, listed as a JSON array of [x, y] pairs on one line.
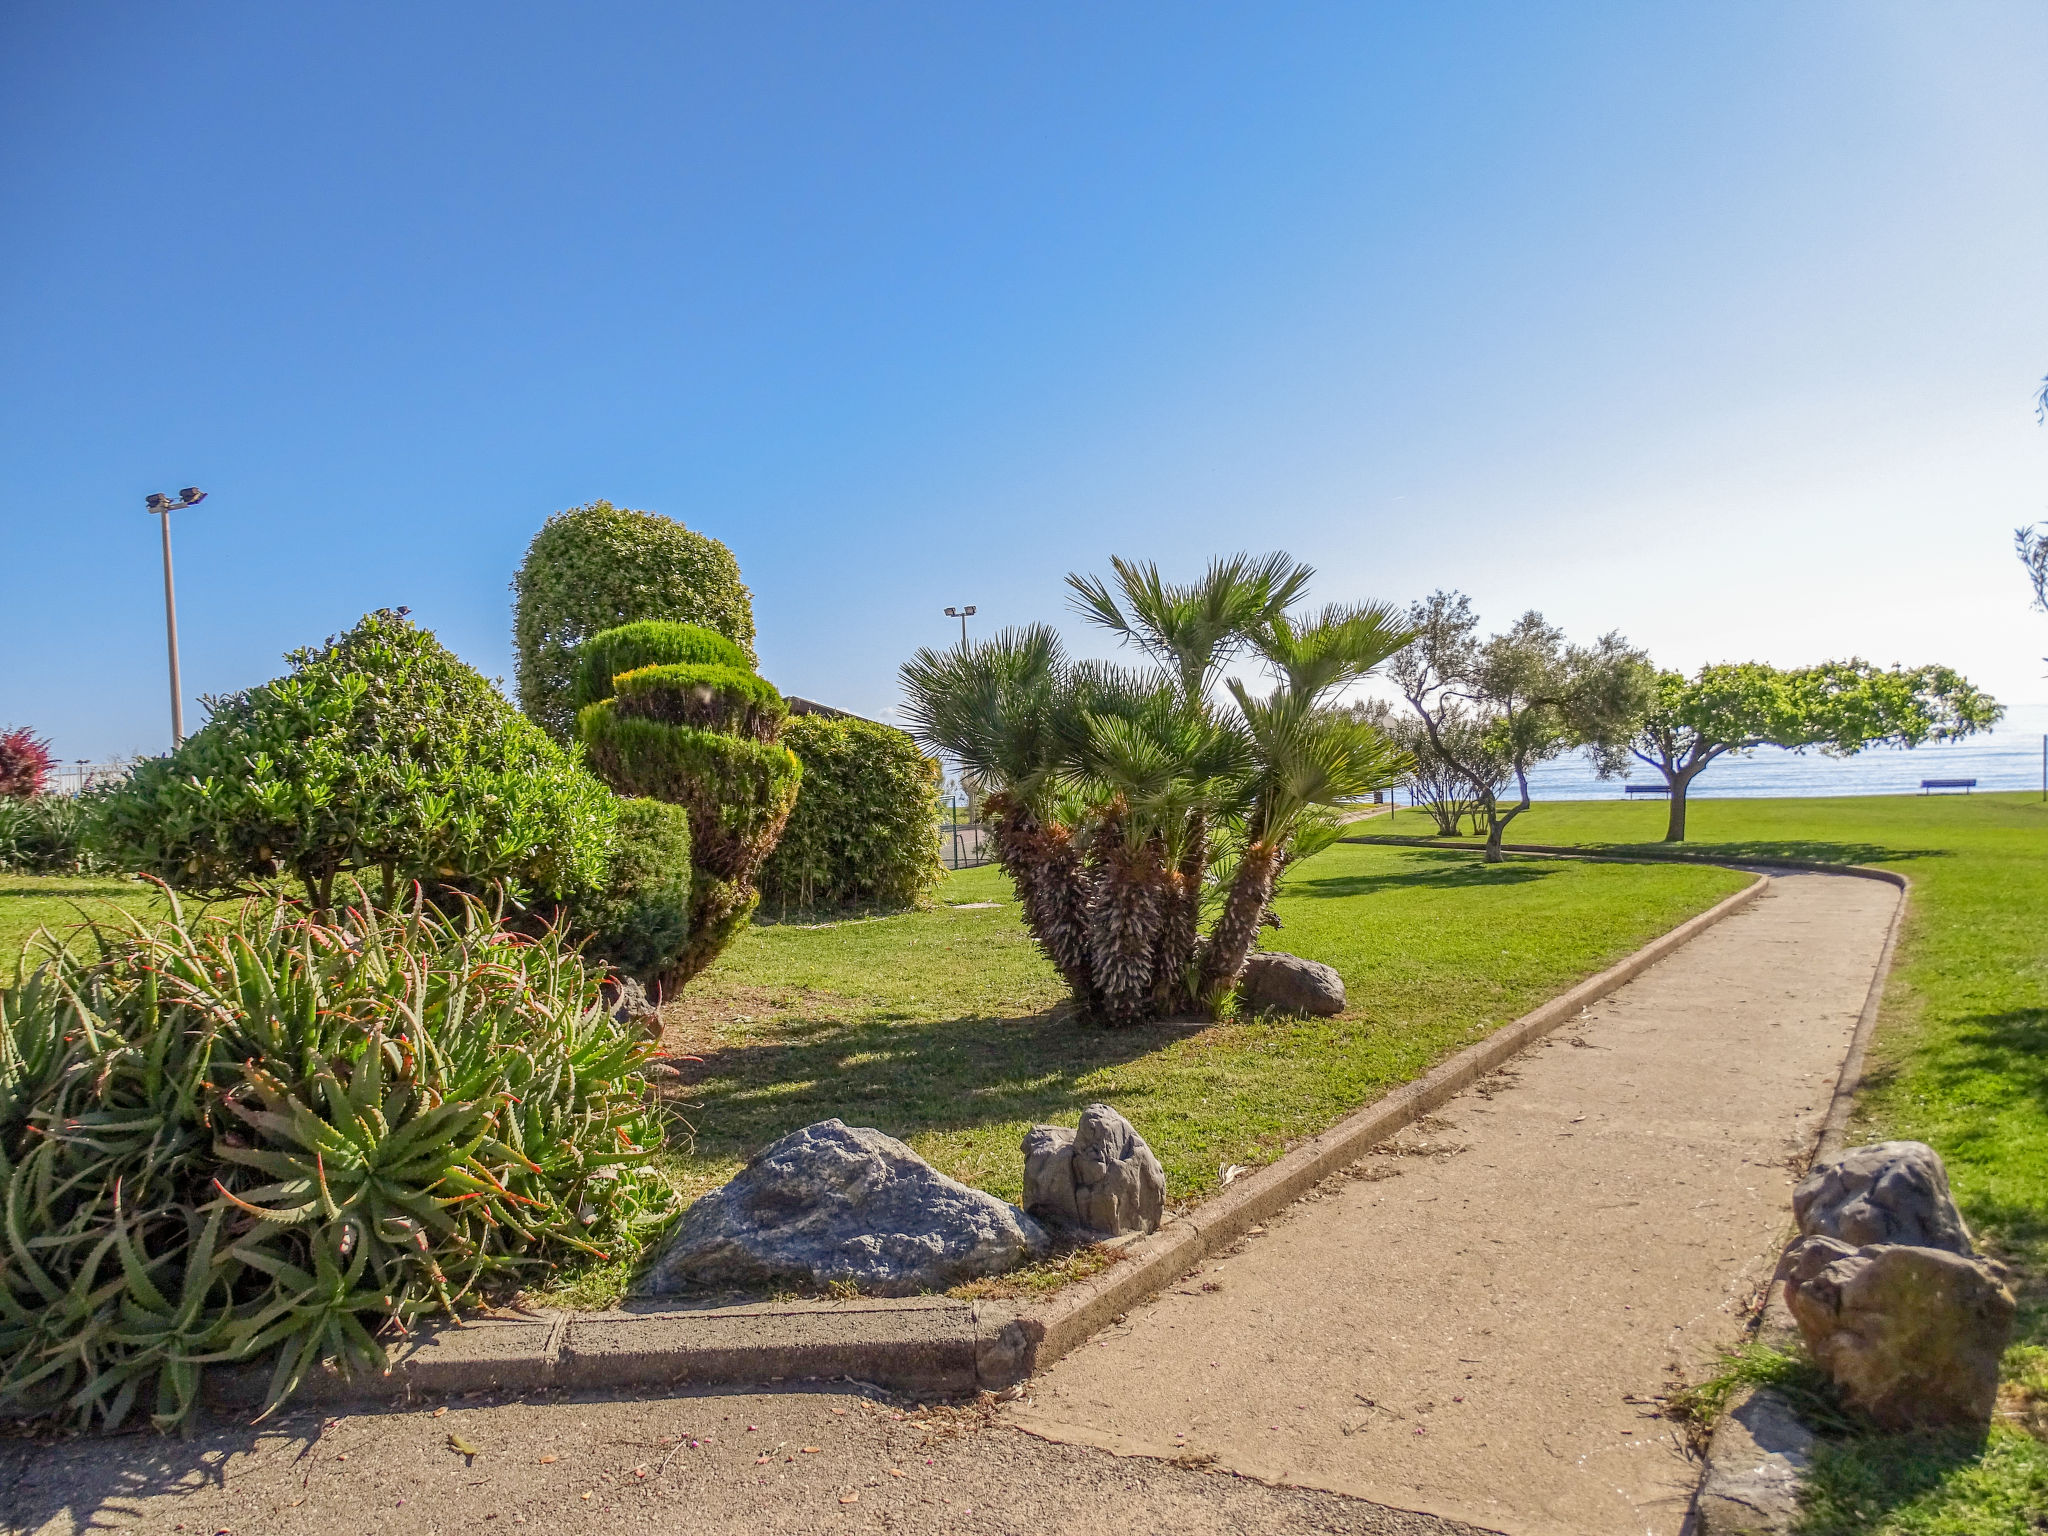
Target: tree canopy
[[1839, 708]]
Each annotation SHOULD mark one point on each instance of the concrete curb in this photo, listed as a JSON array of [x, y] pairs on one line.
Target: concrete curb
[[929, 1346]]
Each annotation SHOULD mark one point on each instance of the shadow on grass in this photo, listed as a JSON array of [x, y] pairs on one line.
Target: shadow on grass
[[905, 1076], [1431, 869], [1755, 850]]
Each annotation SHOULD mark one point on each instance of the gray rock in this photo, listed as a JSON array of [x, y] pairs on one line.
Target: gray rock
[[1888, 1192], [1100, 1179], [630, 1004], [1291, 984], [833, 1202], [1758, 1455], [1911, 1335]]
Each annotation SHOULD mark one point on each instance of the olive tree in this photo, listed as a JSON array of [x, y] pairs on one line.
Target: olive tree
[[1495, 708], [1839, 707]]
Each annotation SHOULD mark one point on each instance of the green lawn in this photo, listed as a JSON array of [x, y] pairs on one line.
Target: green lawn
[[944, 1027], [61, 902], [1960, 1062]]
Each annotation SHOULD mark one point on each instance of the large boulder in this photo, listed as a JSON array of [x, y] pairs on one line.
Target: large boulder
[[1099, 1180], [837, 1203], [1912, 1335], [1888, 1192], [1291, 984]]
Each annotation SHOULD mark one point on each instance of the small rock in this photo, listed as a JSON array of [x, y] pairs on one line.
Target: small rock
[[1759, 1454], [630, 1004], [834, 1202], [1100, 1179], [1291, 984], [1889, 1192], [1912, 1335]]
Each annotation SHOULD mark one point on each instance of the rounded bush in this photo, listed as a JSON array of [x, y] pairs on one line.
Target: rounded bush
[[649, 643], [380, 752], [865, 825], [640, 922], [724, 699], [593, 568], [738, 791]]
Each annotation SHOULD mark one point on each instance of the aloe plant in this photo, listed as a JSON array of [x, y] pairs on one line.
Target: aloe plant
[[273, 1135]]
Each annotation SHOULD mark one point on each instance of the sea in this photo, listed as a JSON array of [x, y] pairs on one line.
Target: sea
[[2001, 760]]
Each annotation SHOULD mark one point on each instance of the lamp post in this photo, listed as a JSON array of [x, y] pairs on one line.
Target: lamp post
[[962, 615], [163, 507]]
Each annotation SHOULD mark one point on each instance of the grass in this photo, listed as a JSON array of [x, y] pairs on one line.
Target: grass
[[61, 903], [947, 1028], [1960, 1061]]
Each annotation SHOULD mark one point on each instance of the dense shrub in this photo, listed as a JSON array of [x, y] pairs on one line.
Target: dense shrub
[[640, 922], [863, 830], [593, 568], [736, 782], [379, 752], [650, 643], [725, 699], [46, 834], [270, 1134], [25, 762]]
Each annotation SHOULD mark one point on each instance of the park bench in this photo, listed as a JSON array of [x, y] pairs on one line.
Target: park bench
[[1929, 785], [1646, 789]]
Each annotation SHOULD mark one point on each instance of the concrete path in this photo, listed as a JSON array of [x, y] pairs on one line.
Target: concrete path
[[1469, 1324]]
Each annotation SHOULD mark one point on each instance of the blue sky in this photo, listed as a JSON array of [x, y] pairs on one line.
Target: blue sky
[[1713, 324]]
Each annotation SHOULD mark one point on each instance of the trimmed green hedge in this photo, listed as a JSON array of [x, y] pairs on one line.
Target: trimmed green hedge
[[864, 828], [593, 568], [738, 791], [710, 698], [640, 922], [650, 643]]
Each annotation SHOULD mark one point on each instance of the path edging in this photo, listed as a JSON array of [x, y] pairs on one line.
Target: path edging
[[925, 1345]]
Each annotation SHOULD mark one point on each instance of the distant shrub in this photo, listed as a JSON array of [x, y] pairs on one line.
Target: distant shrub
[[701, 737], [593, 568], [266, 1136], [25, 762], [725, 699], [639, 923], [381, 753], [46, 834], [650, 643], [865, 825]]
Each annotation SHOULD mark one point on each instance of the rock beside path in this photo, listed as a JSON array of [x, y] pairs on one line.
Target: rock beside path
[[1912, 1335], [1291, 984], [1888, 1192], [838, 1203], [1100, 1180]]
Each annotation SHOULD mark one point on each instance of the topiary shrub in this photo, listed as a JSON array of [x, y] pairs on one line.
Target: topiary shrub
[[640, 922], [723, 699], [864, 827], [272, 1136], [593, 568], [732, 778], [380, 752], [650, 643], [25, 762]]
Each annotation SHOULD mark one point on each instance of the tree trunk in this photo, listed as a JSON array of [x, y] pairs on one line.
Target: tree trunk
[[1124, 922], [1180, 930], [1230, 941], [1052, 888], [1674, 829]]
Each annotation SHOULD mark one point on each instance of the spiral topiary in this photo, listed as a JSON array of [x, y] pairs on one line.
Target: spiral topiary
[[702, 736]]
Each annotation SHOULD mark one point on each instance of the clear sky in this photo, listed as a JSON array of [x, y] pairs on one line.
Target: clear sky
[[1716, 324]]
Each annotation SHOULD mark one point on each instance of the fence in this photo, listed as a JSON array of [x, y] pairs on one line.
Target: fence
[[76, 778], [965, 845]]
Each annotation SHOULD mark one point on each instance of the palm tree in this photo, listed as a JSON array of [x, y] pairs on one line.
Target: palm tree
[[1115, 788]]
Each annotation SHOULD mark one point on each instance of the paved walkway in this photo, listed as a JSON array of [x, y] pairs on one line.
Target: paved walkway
[[1469, 1324]]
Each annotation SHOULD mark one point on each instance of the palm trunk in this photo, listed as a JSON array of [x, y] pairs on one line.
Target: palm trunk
[[1052, 888], [1180, 931], [1230, 941], [1124, 922]]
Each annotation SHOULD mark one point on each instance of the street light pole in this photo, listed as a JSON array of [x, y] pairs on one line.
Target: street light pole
[[163, 507], [962, 615]]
